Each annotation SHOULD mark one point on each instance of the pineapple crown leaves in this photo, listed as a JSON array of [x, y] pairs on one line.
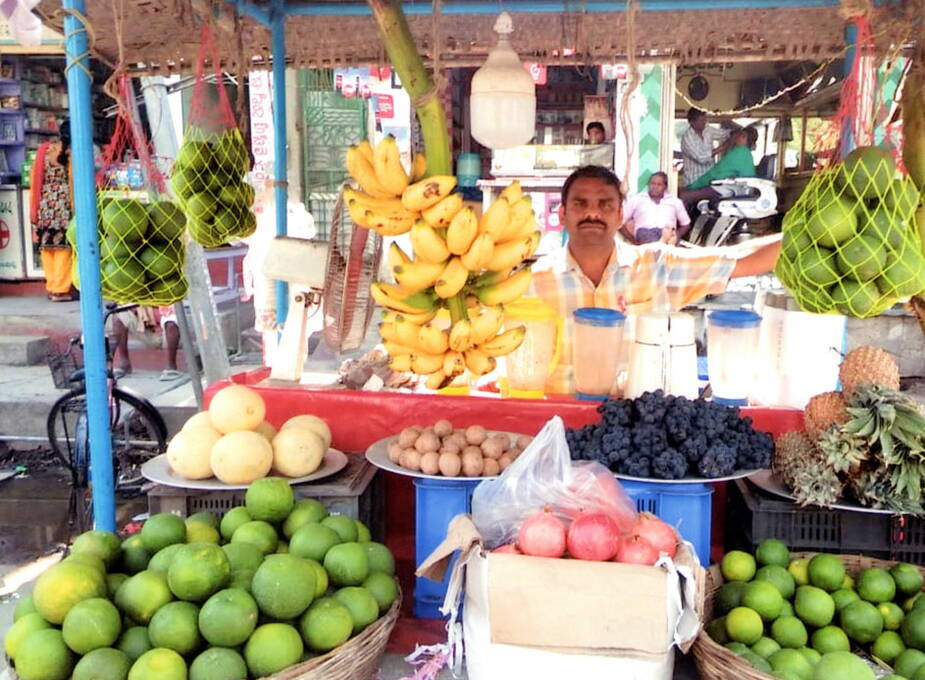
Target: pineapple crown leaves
[[842, 450], [889, 420], [877, 489]]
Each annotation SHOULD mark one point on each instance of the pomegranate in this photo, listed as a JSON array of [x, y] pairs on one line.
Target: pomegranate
[[636, 550], [542, 534], [593, 536], [508, 549], [661, 535]]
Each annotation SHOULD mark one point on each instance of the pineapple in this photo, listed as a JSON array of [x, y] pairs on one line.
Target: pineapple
[[822, 412], [790, 450], [802, 467], [868, 365]]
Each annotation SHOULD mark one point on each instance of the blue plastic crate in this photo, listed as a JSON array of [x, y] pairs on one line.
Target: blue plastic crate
[[688, 507], [436, 502]]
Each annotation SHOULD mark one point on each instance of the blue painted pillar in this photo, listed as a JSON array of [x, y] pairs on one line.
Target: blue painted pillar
[[851, 40], [91, 303], [278, 46]]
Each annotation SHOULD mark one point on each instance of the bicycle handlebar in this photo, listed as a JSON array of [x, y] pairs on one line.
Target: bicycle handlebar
[[117, 309]]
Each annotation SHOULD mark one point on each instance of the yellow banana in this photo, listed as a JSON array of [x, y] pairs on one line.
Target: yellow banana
[[463, 229], [399, 300], [488, 278], [387, 331], [396, 349], [487, 324], [524, 228], [452, 279], [479, 253], [362, 171], [433, 340], [435, 380], [423, 363], [366, 149], [418, 167], [388, 167], [479, 363], [406, 333], [427, 192], [419, 318], [454, 363], [472, 302], [389, 225], [507, 290], [357, 212], [535, 239], [417, 275], [400, 363], [504, 343], [512, 192], [383, 205], [521, 213], [494, 221], [395, 256], [428, 244], [509, 254], [460, 336], [442, 213]]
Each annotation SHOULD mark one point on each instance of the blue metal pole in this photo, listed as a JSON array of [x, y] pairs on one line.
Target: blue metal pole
[[848, 141], [278, 42], [91, 302]]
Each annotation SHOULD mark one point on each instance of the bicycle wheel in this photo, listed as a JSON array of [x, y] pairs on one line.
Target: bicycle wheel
[[66, 429]]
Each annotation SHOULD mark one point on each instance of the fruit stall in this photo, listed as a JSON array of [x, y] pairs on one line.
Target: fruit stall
[[295, 530]]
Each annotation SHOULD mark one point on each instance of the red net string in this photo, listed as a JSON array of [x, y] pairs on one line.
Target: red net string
[[211, 113]]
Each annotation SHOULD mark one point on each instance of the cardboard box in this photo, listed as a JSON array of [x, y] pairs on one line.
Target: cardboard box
[[559, 618]]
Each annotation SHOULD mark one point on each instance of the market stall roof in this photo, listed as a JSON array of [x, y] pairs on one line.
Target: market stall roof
[[163, 35]]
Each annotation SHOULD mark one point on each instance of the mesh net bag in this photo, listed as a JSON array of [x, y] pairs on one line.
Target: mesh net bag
[[850, 243], [141, 234], [208, 175]]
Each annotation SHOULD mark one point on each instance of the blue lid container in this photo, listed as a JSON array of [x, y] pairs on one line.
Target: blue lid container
[[599, 316], [734, 318], [468, 169]]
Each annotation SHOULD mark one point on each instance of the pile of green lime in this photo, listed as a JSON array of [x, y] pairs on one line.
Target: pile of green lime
[[808, 619], [271, 583]]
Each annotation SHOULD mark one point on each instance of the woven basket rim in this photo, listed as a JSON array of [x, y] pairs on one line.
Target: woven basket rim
[[707, 651]]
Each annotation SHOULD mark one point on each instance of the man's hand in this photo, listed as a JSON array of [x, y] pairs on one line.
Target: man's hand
[[760, 262], [669, 236]]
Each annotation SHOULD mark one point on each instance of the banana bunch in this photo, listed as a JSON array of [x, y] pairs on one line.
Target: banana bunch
[[914, 124], [470, 265]]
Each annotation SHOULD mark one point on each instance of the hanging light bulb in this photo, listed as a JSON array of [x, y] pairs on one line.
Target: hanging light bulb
[[502, 101]]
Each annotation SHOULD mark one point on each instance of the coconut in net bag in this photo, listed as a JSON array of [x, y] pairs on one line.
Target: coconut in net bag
[[141, 232], [208, 175]]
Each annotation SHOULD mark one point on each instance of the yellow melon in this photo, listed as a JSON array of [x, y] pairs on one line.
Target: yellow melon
[[297, 451], [241, 457], [235, 408], [201, 418], [313, 423], [267, 430], [190, 451]]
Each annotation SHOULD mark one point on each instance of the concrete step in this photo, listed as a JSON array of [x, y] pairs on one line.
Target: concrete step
[[23, 350]]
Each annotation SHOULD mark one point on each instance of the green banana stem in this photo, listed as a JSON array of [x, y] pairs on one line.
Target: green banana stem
[[406, 60], [457, 308]]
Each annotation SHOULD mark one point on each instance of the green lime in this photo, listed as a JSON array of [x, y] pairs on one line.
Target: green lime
[[64, 585], [228, 618], [200, 532], [738, 566], [103, 544], [310, 512], [830, 639], [811, 654], [269, 499], [134, 555], [772, 551], [729, 596], [143, 594], [20, 630], [780, 577], [892, 614], [197, 571], [161, 530], [284, 586], [243, 556], [791, 661], [764, 598], [362, 605], [134, 642], [799, 569], [232, 520], [787, 609], [313, 541], [344, 526], [912, 628], [861, 621], [326, 624], [164, 557], [271, 648], [176, 626], [92, 624], [43, 655], [347, 564], [363, 535], [258, 532], [25, 605], [737, 648], [909, 662], [843, 597], [876, 585], [716, 629], [826, 572], [888, 646], [907, 577], [814, 606], [744, 625], [204, 518], [104, 663], [87, 559], [380, 558], [756, 661], [790, 632], [321, 577], [218, 663], [842, 666], [114, 582], [765, 647], [158, 664], [384, 588]]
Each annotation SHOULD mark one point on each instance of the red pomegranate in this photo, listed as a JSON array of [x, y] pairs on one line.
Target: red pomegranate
[[593, 536], [542, 534], [661, 535], [507, 549], [636, 550]]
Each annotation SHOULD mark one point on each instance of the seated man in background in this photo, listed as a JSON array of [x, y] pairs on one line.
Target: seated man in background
[[654, 214], [737, 162]]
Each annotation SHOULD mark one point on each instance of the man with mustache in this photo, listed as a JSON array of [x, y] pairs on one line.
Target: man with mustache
[[591, 271]]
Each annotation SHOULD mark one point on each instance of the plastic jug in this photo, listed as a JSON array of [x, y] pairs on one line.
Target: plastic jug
[[732, 336], [529, 366], [596, 351], [663, 356]]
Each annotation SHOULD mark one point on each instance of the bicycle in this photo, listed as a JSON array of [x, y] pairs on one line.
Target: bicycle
[[137, 428]]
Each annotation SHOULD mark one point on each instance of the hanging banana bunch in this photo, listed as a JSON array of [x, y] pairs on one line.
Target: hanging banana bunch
[[470, 265]]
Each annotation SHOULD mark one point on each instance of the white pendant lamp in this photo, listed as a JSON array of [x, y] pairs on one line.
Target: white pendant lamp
[[502, 102]]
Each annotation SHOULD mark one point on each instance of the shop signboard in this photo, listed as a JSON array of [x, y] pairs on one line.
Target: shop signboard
[[261, 116], [12, 236]]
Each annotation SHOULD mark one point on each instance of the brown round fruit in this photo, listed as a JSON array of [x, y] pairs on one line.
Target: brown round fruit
[[408, 436], [503, 439], [443, 428], [472, 464], [450, 464], [523, 441], [394, 451], [490, 467], [428, 441], [504, 461], [450, 445], [411, 460], [430, 464], [475, 435], [492, 448]]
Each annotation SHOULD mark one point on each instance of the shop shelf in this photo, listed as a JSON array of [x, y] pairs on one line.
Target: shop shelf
[[436, 502], [755, 515], [688, 507]]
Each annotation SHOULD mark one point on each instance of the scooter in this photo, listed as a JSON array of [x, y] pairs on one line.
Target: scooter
[[741, 201]]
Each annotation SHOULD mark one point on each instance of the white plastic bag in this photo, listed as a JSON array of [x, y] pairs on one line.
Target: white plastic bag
[[545, 477]]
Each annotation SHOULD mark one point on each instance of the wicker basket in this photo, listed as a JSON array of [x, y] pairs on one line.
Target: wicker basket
[[715, 662], [356, 659]]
